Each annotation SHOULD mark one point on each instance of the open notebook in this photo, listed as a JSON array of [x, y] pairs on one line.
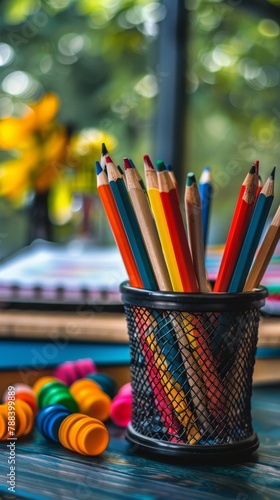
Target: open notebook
[[55, 276]]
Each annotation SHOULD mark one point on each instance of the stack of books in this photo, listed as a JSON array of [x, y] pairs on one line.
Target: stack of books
[[46, 287]]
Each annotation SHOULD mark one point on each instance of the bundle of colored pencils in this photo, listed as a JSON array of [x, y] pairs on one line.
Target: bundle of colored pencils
[[161, 250]]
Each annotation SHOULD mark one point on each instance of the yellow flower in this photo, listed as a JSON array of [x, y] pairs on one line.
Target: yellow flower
[[40, 144], [43, 149], [14, 130], [83, 148], [14, 178]]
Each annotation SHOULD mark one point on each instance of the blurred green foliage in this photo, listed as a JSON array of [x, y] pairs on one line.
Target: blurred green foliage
[[98, 56], [233, 115], [101, 58]]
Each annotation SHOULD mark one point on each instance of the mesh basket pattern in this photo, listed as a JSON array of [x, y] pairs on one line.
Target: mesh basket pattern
[[191, 373]]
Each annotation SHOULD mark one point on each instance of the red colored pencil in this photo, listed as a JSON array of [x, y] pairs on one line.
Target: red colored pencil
[[176, 227], [239, 225]]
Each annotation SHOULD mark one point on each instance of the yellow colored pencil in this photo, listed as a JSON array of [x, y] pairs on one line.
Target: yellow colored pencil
[[162, 227], [147, 225]]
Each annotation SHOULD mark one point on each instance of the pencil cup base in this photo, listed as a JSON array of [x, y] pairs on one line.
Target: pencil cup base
[[238, 451]]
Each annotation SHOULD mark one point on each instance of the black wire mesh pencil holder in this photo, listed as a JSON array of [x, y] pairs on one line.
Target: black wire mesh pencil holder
[[192, 362]]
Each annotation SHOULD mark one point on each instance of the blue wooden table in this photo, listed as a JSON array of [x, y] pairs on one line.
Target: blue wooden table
[[45, 471]]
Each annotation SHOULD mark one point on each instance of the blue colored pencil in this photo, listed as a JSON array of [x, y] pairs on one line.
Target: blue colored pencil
[[131, 225], [253, 235], [205, 190]]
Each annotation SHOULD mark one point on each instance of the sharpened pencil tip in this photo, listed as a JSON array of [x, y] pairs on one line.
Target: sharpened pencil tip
[[205, 177], [148, 162], [169, 168], [108, 159], [272, 175], [131, 163], [252, 169], [120, 169], [104, 150], [190, 179], [99, 169], [160, 167], [126, 163]]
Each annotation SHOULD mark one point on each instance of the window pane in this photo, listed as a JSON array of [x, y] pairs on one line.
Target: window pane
[[233, 115]]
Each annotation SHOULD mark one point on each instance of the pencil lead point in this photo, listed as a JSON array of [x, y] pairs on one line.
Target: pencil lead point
[[272, 175], [148, 162], [120, 170], [131, 163], [169, 168], [190, 179], [205, 176], [99, 169], [127, 164], [108, 159], [252, 169], [160, 167], [104, 150]]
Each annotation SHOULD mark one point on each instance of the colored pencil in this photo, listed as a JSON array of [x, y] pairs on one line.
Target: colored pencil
[[199, 342], [171, 386], [133, 232], [163, 401], [104, 152], [190, 359], [131, 225], [165, 336], [117, 228], [161, 223], [260, 185], [257, 163], [147, 226], [195, 234], [115, 219], [264, 254], [170, 170], [177, 231], [253, 235], [205, 192], [239, 225], [120, 170], [188, 355], [141, 182]]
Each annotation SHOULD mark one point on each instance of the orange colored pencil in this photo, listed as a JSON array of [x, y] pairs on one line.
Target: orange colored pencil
[[239, 225], [176, 227], [117, 228]]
